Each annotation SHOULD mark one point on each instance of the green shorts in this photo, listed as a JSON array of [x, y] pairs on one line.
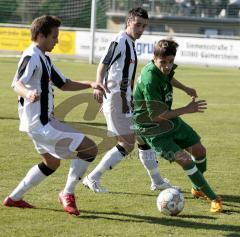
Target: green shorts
[[183, 137]]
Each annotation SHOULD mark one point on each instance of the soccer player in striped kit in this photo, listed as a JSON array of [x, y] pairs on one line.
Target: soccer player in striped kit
[[54, 141], [117, 70]]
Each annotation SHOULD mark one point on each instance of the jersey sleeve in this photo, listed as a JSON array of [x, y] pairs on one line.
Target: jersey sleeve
[[25, 70], [153, 96], [112, 53]]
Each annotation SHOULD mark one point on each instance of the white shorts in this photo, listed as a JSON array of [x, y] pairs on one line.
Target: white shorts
[[118, 123], [56, 138]]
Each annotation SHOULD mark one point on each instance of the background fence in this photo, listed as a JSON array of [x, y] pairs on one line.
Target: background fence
[[196, 25], [77, 13]]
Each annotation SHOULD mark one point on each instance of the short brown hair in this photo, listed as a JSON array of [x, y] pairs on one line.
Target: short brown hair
[[138, 11], [44, 25], [165, 47]]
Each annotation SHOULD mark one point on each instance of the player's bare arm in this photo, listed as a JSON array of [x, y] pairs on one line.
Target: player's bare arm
[[31, 95], [71, 85], [101, 71], [193, 107], [189, 91]]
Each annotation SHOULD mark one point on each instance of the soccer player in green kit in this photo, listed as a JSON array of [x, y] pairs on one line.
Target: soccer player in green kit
[[162, 128]]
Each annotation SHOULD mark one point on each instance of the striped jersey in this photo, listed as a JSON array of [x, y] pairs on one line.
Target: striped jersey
[[121, 59], [36, 71]]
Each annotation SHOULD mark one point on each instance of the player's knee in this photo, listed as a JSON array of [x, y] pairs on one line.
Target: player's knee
[[199, 151], [88, 152], [46, 170], [128, 147], [202, 152], [93, 150], [122, 150], [183, 159]]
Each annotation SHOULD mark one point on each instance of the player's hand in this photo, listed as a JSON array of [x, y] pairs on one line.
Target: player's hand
[[99, 91], [98, 96], [32, 96], [191, 92], [196, 106]]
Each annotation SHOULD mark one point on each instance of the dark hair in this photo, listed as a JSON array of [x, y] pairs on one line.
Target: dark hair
[[44, 25], [138, 11], [165, 47]]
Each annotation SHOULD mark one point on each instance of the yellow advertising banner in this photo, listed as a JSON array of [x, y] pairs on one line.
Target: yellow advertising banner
[[18, 39], [66, 43]]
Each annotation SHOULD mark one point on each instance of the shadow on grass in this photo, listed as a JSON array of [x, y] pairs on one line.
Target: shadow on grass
[[134, 194], [171, 221], [9, 118], [230, 198], [152, 194], [82, 123]]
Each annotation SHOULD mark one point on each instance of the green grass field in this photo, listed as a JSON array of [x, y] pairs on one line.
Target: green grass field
[[130, 207]]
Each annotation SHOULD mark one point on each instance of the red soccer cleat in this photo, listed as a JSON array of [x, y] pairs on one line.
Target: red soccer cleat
[[69, 203], [20, 203]]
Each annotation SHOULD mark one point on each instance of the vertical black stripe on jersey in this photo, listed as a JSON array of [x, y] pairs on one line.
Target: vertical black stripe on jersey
[[49, 60], [23, 66], [134, 73], [124, 82], [113, 61], [56, 79], [44, 94], [135, 67], [108, 58]]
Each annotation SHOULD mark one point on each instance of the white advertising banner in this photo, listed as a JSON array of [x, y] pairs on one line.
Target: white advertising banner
[[200, 51]]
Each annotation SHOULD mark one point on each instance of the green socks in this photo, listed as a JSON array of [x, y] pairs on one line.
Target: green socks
[[199, 181], [201, 164]]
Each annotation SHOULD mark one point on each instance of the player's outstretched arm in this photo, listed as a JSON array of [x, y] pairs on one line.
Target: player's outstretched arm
[[31, 95], [193, 107], [189, 91], [81, 85]]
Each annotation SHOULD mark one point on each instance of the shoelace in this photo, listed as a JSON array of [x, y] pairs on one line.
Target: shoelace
[[70, 200]]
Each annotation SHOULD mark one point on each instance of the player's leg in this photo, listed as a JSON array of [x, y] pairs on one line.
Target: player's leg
[[120, 126], [171, 151], [196, 177], [87, 152], [125, 144], [198, 152], [34, 176], [147, 156]]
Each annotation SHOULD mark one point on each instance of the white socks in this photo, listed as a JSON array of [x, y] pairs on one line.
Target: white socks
[[33, 177], [148, 159], [77, 169], [111, 159]]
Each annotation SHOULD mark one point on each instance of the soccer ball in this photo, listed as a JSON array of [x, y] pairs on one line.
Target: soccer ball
[[170, 202]]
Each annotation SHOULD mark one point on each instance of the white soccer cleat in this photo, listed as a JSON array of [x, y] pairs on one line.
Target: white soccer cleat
[[94, 185], [166, 184]]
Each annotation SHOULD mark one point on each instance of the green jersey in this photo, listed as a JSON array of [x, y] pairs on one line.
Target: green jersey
[[153, 96]]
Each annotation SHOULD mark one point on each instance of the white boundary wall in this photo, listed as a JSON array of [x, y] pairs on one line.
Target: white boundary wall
[[200, 51]]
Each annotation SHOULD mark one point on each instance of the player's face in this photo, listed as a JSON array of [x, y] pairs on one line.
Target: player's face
[[47, 43], [164, 64], [136, 26]]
